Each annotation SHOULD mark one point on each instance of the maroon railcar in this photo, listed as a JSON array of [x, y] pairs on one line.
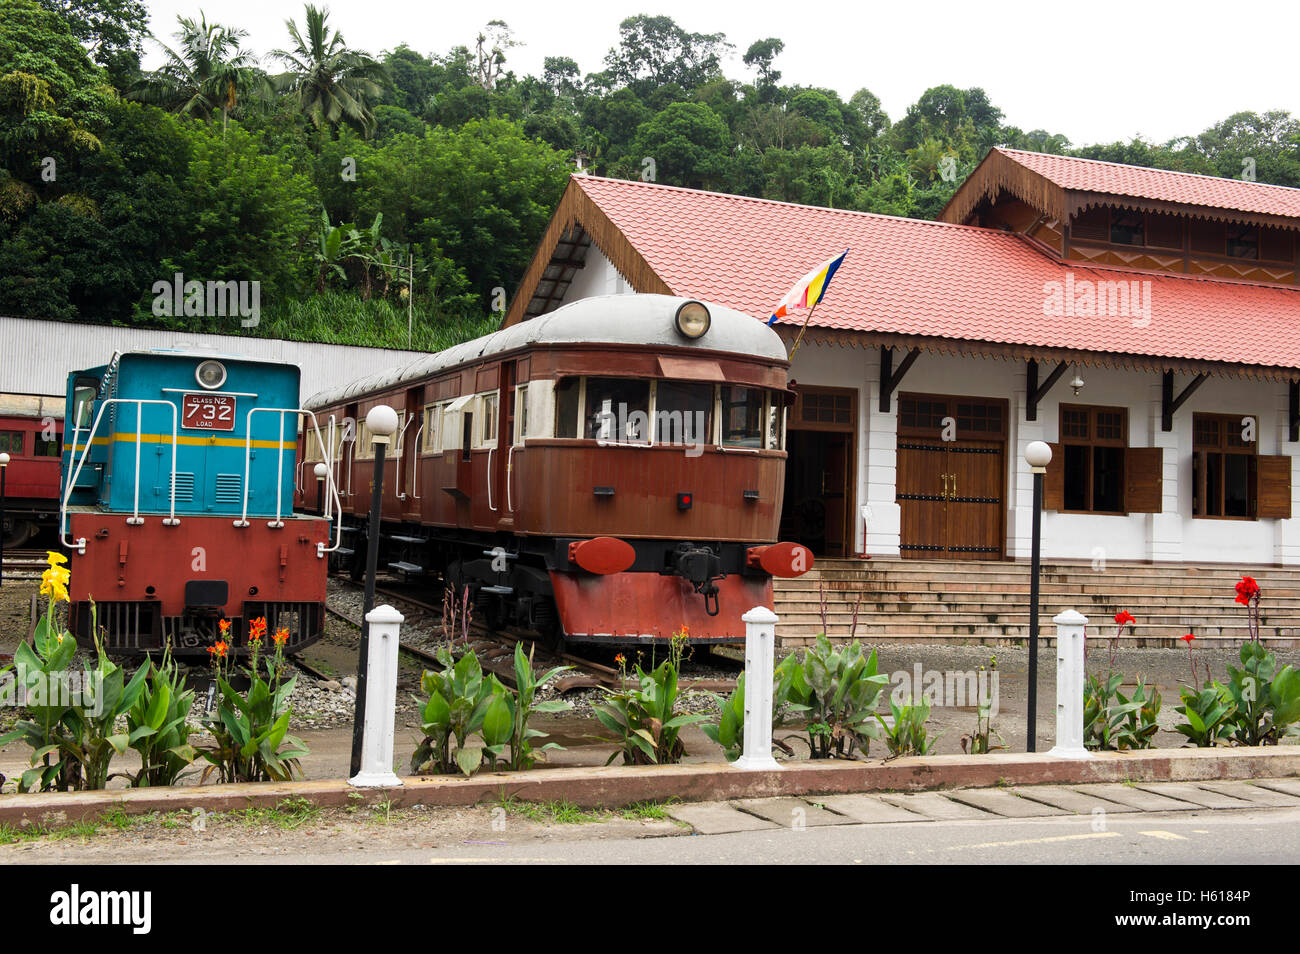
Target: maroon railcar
[[610, 472], [31, 433]]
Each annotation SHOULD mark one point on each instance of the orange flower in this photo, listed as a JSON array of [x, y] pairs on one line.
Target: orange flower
[[224, 626], [281, 636], [219, 649], [257, 629]]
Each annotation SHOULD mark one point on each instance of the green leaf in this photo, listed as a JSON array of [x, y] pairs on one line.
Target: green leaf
[[468, 759]]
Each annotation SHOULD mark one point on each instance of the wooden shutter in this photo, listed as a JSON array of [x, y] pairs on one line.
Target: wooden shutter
[[1054, 480], [1274, 489], [1144, 479]]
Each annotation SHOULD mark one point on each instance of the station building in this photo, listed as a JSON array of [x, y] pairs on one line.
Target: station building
[[1145, 323]]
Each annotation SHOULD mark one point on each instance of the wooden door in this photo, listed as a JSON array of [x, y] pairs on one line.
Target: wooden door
[[950, 483], [500, 475], [973, 508], [922, 498]]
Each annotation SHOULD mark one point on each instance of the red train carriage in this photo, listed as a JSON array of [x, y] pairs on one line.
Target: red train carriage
[[609, 472], [31, 433]]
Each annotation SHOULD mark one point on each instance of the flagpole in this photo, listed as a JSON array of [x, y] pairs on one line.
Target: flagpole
[[808, 318]]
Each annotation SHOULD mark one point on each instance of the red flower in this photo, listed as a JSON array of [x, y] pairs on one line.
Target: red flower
[[281, 635], [1123, 617], [1187, 639], [224, 626], [219, 649], [257, 628], [1247, 589]]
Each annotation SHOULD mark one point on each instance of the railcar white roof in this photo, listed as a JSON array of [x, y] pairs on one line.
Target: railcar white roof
[[637, 320]]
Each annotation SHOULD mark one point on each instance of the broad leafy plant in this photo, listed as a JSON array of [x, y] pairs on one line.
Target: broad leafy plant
[[1267, 699], [643, 715], [1208, 712], [466, 717], [159, 727], [524, 704], [905, 733], [837, 691], [1112, 720], [250, 732]]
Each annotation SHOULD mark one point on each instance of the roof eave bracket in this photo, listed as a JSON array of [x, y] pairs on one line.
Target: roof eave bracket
[[890, 378], [1034, 393], [1169, 404]]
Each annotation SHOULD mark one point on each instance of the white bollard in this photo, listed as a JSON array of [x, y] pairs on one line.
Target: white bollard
[[760, 644], [381, 701], [1070, 677]]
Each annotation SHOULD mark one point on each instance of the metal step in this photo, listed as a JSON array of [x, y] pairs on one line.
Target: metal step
[[499, 590], [344, 552], [406, 569], [402, 539]]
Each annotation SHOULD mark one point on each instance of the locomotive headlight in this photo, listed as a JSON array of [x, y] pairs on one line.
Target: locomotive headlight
[[211, 374], [692, 319]]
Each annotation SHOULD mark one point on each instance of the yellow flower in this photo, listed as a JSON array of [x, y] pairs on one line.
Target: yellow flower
[[54, 559], [52, 585]]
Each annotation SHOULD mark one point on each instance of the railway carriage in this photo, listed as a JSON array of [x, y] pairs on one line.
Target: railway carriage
[[177, 510], [609, 472], [31, 433]]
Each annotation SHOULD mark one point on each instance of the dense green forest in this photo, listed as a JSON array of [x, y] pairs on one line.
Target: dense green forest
[[337, 179]]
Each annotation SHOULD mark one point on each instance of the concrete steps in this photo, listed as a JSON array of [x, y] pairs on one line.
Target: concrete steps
[[987, 602]]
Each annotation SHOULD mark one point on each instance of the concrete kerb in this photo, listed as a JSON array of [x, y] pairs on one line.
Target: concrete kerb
[[619, 786]]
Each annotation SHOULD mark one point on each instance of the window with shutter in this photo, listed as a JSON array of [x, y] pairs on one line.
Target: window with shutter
[[1225, 477], [1144, 480], [1093, 453]]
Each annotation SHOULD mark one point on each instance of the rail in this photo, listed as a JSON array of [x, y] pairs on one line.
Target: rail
[[510, 465], [278, 522], [492, 450], [135, 519], [415, 465]]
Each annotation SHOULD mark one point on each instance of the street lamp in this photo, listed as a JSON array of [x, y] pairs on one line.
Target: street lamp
[[381, 422], [4, 469], [1037, 455]]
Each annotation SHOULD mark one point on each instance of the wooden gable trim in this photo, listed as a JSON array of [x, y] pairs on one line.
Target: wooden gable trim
[[999, 173], [577, 208], [1077, 202]]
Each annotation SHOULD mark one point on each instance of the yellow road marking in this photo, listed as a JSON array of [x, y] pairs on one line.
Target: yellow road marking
[[1036, 841], [1164, 835]]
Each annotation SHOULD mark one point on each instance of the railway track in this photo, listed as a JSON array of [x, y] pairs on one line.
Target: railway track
[[24, 563], [496, 651]]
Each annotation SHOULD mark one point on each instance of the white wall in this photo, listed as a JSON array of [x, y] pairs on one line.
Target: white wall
[[598, 276], [1171, 535]]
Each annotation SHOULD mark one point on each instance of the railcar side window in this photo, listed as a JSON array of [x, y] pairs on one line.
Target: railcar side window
[[364, 449], [433, 428], [683, 412], [44, 448], [567, 393], [11, 442], [489, 416], [83, 399], [742, 417], [617, 409], [521, 414]]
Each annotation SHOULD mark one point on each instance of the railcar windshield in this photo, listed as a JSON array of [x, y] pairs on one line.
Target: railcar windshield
[[617, 409], [683, 413], [742, 417]]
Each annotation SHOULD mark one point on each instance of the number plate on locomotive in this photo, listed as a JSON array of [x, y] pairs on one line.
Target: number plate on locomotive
[[208, 412]]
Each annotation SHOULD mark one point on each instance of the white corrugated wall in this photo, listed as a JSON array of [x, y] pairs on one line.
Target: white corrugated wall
[[36, 355]]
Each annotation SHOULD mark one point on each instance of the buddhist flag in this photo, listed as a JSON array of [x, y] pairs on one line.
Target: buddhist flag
[[809, 289]]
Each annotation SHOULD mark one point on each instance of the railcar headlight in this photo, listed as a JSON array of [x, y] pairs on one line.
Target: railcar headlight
[[211, 374], [692, 319]]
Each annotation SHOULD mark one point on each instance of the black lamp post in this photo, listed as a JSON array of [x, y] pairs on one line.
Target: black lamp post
[[4, 470], [1038, 455], [381, 422]]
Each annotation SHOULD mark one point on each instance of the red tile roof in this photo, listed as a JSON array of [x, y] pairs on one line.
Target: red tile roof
[[1160, 185], [933, 279]]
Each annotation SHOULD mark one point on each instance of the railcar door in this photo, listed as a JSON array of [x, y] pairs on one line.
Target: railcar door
[[500, 475]]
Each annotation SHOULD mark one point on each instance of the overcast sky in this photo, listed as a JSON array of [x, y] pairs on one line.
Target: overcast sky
[[1096, 71]]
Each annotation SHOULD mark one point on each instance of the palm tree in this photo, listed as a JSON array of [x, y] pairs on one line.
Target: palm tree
[[332, 83], [209, 73]]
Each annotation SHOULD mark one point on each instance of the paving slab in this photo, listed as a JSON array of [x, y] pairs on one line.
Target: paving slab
[[1257, 794], [1141, 799], [869, 809], [717, 818], [1001, 801], [1071, 800], [1287, 786], [1187, 792], [792, 812], [934, 805]]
